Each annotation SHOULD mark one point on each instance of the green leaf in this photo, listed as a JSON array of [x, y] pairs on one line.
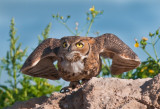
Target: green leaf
[[157, 32], [53, 16], [4, 87], [150, 34]]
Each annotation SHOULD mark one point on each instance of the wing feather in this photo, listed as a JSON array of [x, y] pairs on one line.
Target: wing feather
[[40, 62], [123, 58]]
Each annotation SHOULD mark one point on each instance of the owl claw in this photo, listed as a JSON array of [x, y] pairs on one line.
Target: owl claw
[[71, 86], [65, 89]]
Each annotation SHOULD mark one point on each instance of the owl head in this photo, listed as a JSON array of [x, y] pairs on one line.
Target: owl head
[[74, 48]]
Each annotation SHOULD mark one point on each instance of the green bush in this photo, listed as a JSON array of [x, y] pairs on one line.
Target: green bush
[[151, 66], [21, 87]]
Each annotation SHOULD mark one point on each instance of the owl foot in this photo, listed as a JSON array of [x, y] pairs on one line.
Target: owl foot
[[71, 86]]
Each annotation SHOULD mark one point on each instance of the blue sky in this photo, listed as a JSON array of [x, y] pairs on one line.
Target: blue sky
[[128, 19]]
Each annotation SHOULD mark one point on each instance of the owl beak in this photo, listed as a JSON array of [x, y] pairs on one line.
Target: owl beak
[[72, 56], [69, 49]]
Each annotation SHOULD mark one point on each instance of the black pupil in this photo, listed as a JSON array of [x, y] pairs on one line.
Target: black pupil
[[79, 44]]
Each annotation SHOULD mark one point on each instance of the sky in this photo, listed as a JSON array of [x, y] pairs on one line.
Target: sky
[[128, 19]]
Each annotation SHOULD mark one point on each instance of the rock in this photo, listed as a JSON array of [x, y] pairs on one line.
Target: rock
[[102, 93]]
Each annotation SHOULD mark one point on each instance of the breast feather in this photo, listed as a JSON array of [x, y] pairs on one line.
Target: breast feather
[[73, 67]]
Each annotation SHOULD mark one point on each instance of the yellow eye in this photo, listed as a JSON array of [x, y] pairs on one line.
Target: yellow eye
[[79, 45], [65, 44]]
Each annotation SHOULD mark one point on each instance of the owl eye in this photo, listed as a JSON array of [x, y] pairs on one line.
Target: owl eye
[[79, 45], [65, 44]]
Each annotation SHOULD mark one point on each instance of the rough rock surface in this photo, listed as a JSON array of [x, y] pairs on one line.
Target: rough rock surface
[[102, 93]]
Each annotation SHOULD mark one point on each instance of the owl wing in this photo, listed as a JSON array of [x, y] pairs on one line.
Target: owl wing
[[123, 58], [40, 62]]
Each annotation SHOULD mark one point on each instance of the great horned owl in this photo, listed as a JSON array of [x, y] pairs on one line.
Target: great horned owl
[[79, 58]]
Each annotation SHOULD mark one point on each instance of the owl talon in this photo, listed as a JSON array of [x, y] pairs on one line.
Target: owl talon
[[65, 90], [72, 85]]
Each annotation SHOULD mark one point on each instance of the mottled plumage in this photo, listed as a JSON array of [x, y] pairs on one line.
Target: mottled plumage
[[79, 58]]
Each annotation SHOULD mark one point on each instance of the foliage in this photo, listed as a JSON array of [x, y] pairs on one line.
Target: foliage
[[76, 32], [21, 87], [151, 66], [45, 33]]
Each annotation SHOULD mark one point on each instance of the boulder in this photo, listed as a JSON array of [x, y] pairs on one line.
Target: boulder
[[102, 93]]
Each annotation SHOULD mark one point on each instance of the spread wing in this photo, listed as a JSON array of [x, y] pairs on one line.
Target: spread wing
[[40, 62], [123, 58]]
